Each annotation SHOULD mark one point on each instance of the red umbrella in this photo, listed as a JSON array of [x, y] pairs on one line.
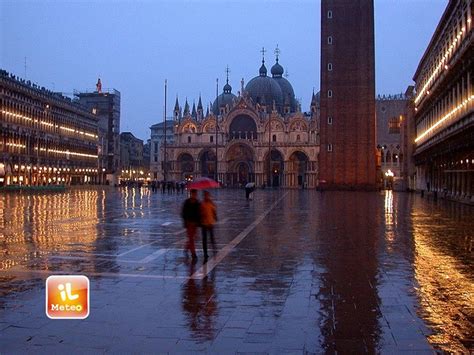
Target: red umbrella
[[203, 183]]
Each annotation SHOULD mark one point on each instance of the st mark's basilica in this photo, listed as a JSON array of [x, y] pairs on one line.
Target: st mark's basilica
[[262, 136]]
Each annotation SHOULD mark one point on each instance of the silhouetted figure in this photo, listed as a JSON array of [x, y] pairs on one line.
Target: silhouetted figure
[[191, 215], [208, 220]]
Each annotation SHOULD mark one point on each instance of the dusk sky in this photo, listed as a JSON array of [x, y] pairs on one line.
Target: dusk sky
[[134, 45]]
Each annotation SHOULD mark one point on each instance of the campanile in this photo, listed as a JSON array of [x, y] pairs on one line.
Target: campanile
[[347, 157]]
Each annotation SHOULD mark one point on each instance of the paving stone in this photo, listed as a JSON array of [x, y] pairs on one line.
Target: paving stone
[[320, 273]]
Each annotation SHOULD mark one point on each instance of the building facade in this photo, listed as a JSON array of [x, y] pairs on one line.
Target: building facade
[[261, 136], [443, 104], [348, 149], [45, 137], [391, 112], [156, 145], [132, 159], [106, 107]]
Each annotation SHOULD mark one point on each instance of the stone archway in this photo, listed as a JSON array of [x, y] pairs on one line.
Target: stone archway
[[240, 165], [207, 163], [186, 166], [274, 168], [298, 169], [243, 127]]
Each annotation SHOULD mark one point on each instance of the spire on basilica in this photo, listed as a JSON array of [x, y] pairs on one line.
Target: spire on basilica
[[263, 69], [277, 69], [186, 108], [194, 112], [200, 109], [176, 110], [227, 87]]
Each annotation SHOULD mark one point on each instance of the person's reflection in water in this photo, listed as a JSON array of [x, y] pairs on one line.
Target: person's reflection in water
[[200, 305]]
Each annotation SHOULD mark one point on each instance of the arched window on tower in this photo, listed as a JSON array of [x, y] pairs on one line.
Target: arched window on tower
[[189, 139], [274, 138]]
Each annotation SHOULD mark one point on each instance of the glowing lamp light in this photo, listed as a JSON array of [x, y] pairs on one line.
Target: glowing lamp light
[[389, 173]]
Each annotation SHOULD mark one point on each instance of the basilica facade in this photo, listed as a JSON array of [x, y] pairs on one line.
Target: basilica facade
[[259, 135]]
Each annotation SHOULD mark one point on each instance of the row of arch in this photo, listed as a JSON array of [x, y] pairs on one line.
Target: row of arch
[[240, 165], [241, 123]]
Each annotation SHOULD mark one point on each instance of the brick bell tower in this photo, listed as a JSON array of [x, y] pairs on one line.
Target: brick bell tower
[[347, 158]]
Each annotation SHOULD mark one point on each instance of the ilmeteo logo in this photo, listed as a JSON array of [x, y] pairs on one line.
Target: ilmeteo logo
[[67, 297]]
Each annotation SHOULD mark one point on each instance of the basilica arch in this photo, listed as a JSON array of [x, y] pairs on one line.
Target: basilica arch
[[240, 165], [185, 166], [297, 172], [207, 163], [274, 168], [243, 127]]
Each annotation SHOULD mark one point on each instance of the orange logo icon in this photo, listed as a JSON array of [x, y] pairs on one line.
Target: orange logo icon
[[67, 297]]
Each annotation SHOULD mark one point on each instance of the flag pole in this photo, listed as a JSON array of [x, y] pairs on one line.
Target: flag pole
[[217, 117], [164, 158]]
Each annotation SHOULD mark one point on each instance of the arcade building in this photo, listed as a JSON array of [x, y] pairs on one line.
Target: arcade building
[[259, 135]]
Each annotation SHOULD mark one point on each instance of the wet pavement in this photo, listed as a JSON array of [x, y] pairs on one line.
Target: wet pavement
[[293, 272]]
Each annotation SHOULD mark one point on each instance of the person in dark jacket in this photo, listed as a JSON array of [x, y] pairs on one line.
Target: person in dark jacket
[[192, 219]]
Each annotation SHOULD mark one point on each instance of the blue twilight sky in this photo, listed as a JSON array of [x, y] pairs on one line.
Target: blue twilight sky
[[134, 45]]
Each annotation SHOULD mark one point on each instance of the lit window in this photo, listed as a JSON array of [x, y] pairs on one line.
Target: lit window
[[329, 93], [330, 66], [329, 147], [394, 125], [329, 14], [329, 39], [329, 120]]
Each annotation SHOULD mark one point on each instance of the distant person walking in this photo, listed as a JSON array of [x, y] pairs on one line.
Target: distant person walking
[[191, 214], [208, 220]]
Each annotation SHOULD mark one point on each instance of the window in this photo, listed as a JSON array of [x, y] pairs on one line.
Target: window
[[156, 147], [211, 138], [189, 139], [329, 93], [329, 39], [274, 138], [394, 125], [329, 120], [329, 147], [329, 14], [298, 138], [329, 66], [156, 159]]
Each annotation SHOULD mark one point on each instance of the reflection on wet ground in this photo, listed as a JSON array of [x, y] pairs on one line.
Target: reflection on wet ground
[[294, 271]]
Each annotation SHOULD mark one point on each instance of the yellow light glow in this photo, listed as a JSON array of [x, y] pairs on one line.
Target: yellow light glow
[[92, 135], [436, 72], [444, 118]]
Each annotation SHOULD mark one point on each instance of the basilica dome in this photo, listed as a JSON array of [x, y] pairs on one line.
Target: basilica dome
[[264, 90], [285, 86], [224, 99]]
